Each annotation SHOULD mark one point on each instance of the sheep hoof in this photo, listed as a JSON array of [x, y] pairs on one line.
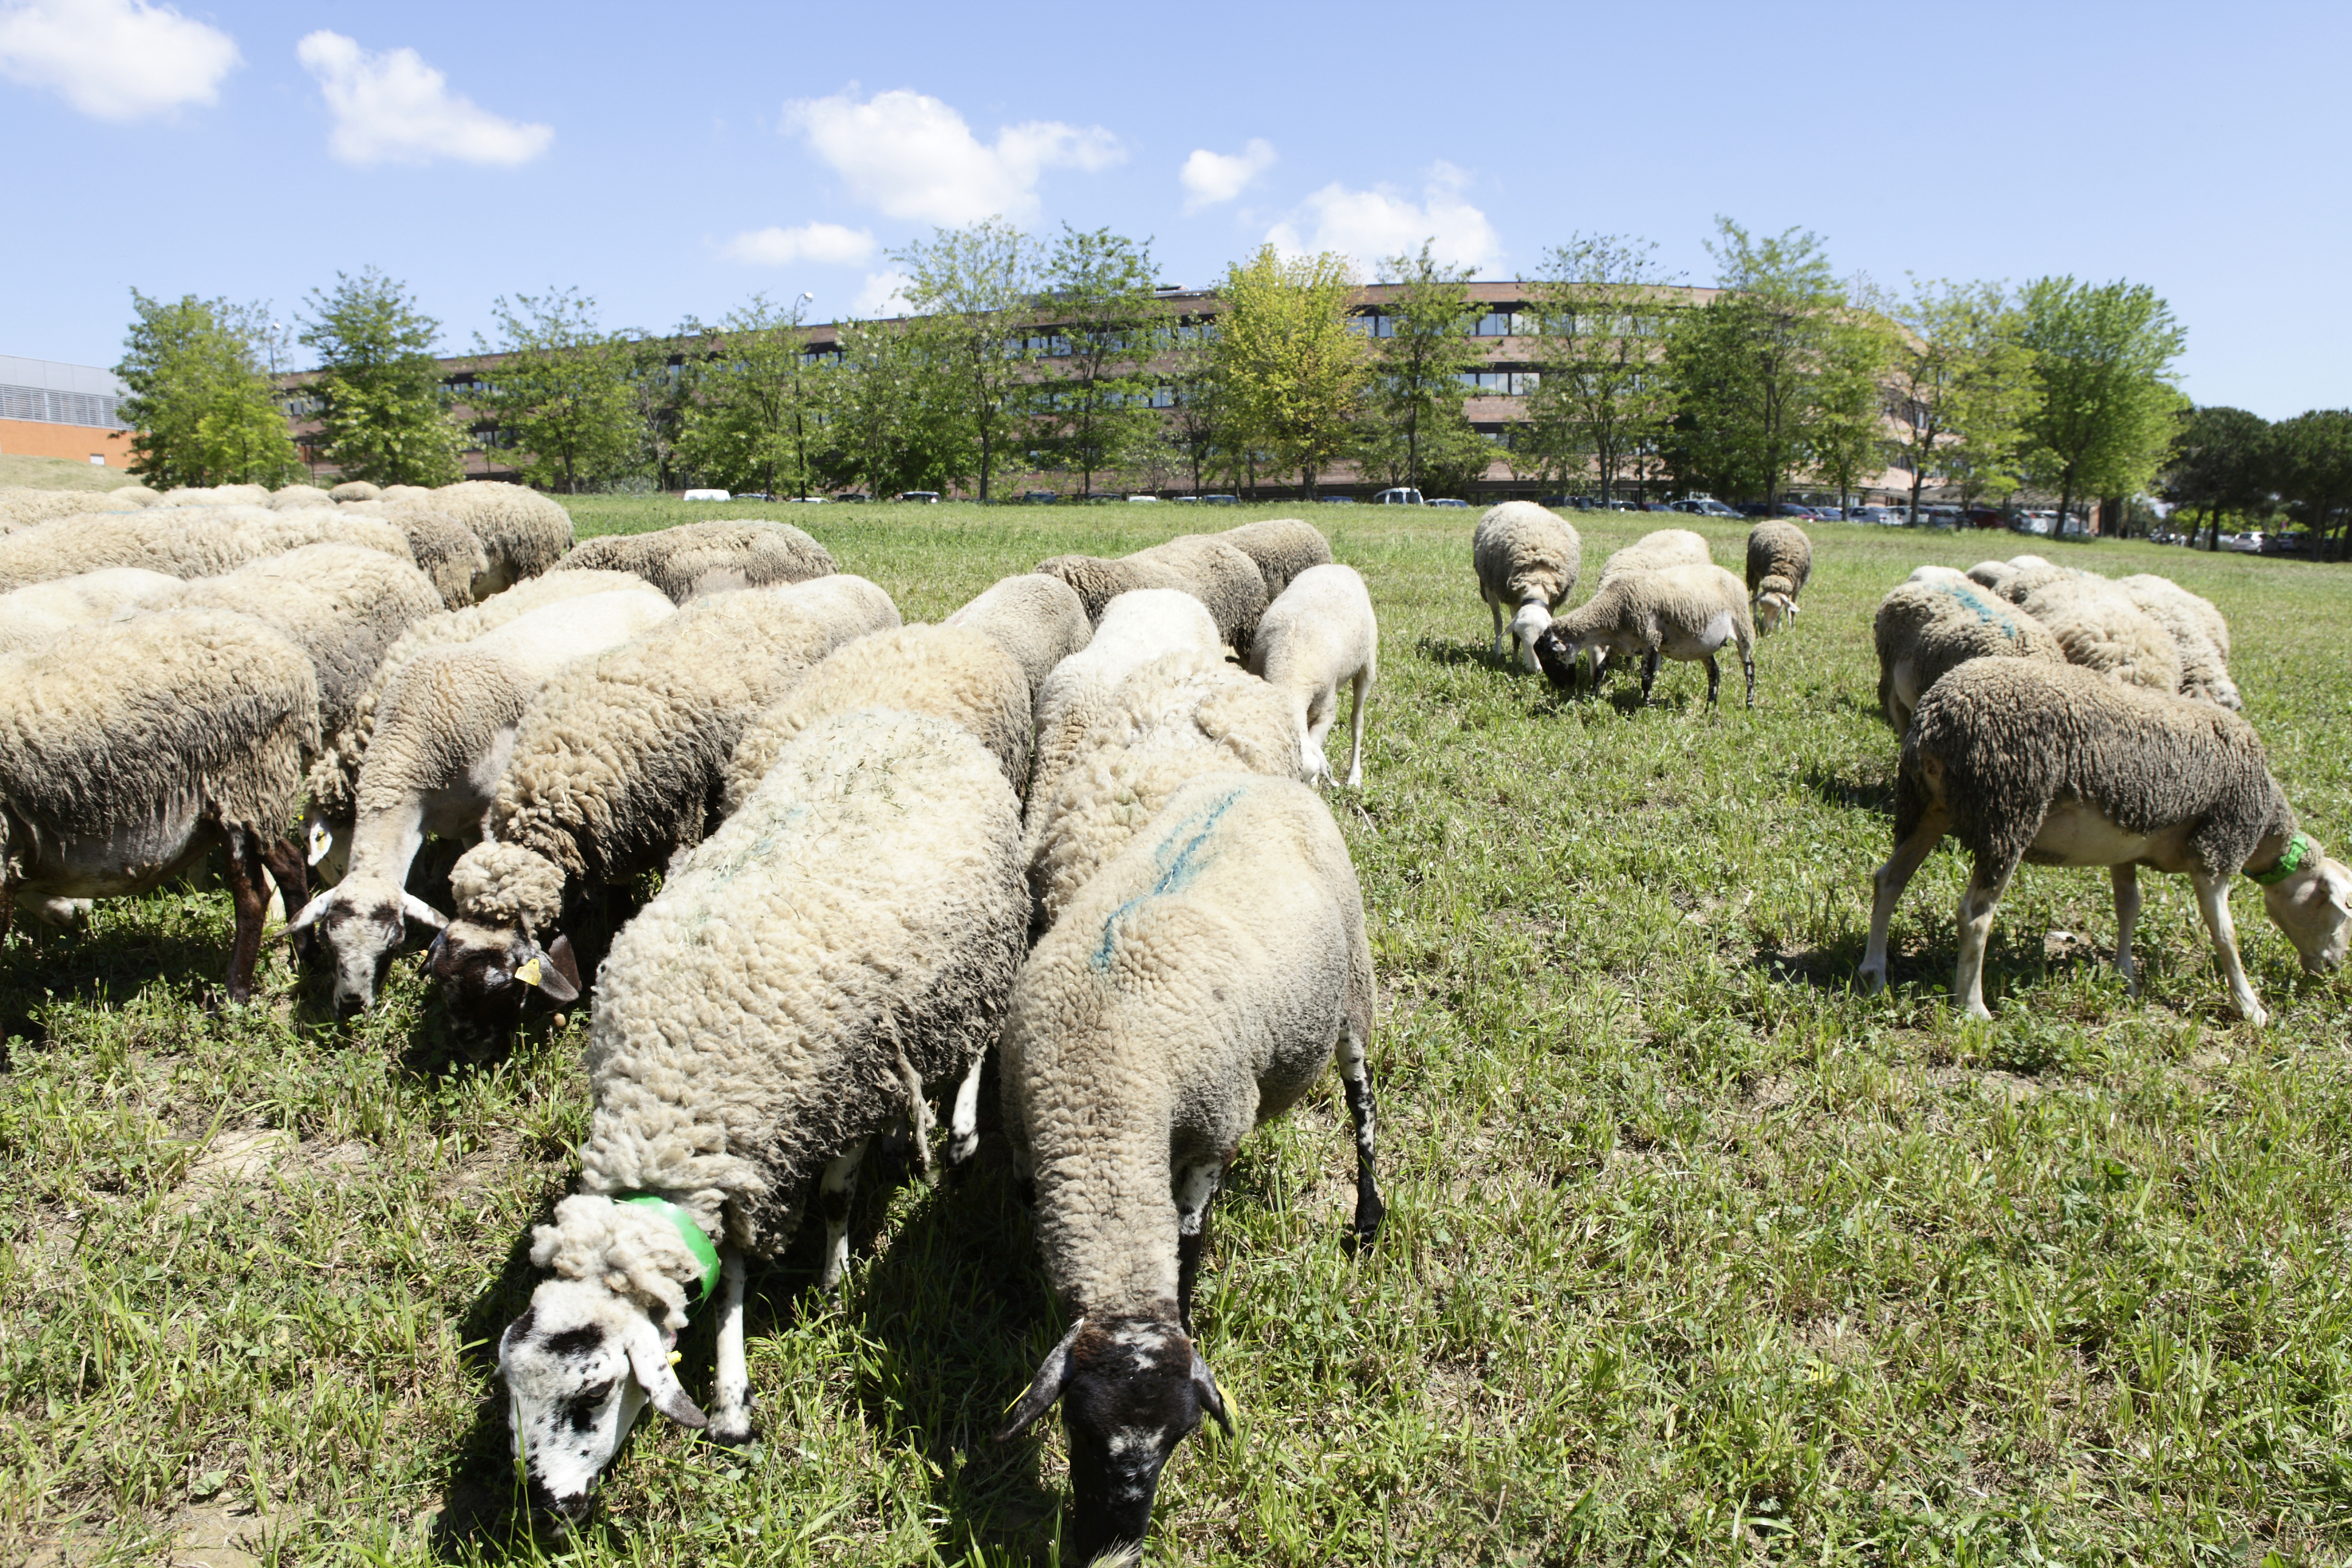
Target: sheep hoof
[[1871, 980]]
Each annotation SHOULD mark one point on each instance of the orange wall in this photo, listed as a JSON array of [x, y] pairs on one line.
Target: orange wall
[[28, 439]]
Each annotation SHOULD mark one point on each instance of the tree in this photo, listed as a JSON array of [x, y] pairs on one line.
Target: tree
[[1202, 424], [662, 378], [2221, 459], [1601, 310], [972, 289], [562, 394], [887, 426], [751, 420], [381, 413], [1290, 365], [1848, 440], [1756, 371], [1106, 326], [1964, 385], [202, 408], [1420, 353], [2312, 457], [2102, 357]]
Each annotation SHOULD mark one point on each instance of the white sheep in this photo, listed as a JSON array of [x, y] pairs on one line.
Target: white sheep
[[1924, 629], [1656, 550], [30, 614], [805, 976], [1779, 560], [1283, 547], [522, 532], [1208, 566], [1040, 620], [1195, 989], [1136, 628], [706, 557], [2099, 625], [1685, 612], [182, 543], [1527, 559], [1319, 634], [2017, 757], [2199, 634]]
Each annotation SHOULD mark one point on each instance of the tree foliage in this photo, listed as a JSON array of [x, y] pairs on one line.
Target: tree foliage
[[562, 394], [2312, 462], [1095, 397], [2223, 460], [383, 415], [888, 425], [1288, 361], [203, 406], [1964, 386], [974, 290], [1414, 430], [2103, 359], [1602, 396], [752, 419]]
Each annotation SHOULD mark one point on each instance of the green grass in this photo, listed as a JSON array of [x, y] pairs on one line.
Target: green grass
[[60, 474], [1694, 1254]]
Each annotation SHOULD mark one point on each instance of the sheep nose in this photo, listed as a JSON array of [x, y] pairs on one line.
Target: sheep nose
[[348, 1003]]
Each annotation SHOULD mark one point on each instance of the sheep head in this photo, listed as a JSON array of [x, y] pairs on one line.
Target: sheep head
[[487, 971], [1775, 596], [2314, 909], [1528, 624], [1130, 1389], [362, 920]]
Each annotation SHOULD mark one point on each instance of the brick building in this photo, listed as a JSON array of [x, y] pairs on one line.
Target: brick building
[[50, 409]]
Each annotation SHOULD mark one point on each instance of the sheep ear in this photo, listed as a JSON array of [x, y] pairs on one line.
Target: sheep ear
[[1213, 1398], [310, 915], [567, 965], [417, 909], [1053, 1377], [650, 1360], [322, 840], [560, 980]]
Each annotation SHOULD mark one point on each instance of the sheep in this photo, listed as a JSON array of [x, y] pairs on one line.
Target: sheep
[[1038, 620], [1780, 559], [2199, 634], [2029, 564], [354, 490], [1283, 547], [448, 724], [1219, 574], [128, 749], [1320, 633], [1924, 629], [1940, 576], [1136, 628], [446, 551], [2020, 758], [1097, 580], [523, 532], [704, 557], [2099, 625], [842, 944], [1656, 550], [22, 507], [954, 673], [618, 765], [1993, 575], [1195, 989], [395, 493], [1181, 715], [341, 604], [1526, 558], [131, 498], [31, 613], [179, 544], [1681, 612], [296, 496]]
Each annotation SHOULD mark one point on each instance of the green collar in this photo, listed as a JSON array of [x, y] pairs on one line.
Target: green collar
[[689, 1232], [2300, 852]]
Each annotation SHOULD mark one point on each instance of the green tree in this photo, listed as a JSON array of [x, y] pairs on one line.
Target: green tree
[[2103, 359], [381, 413], [202, 407], [1202, 424], [1107, 330], [1756, 372], [662, 378], [752, 419], [2313, 464], [1290, 364], [2221, 459], [1421, 350], [1849, 438], [1601, 399], [563, 392], [972, 290], [887, 427], [1964, 386]]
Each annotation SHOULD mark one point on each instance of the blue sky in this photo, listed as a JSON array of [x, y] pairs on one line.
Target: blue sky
[[671, 160]]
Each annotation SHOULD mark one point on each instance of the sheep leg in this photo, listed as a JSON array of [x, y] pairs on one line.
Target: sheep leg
[[730, 1406], [1195, 1186], [2126, 881], [1356, 728], [251, 898], [1714, 680], [1975, 920], [291, 873], [1356, 1073], [1748, 663], [963, 1124], [1495, 608], [2213, 903], [1886, 892], [1649, 674], [833, 1195], [919, 1112]]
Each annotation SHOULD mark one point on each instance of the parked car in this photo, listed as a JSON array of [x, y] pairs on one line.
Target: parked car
[[1755, 509], [1146, 498], [757, 495], [704, 495], [1880, 515], [1039, 498], [1221, 500], [1336, 501], [930, 498], [1790, 509], [1448, 502], [2243, 543], [1398, 496], [853, 496], [2286, 544], [1706, 506]]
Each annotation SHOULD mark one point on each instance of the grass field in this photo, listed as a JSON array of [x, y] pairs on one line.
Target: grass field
[[1694, 1254], [60, 474]]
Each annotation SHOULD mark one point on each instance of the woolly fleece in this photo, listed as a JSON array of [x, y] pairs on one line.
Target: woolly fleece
[[702, 557], [1039, 620], [1780, 560], [179, 544], [2099, 625], [2190, 621], [522, 532], [1283, 547], [1319, 635], [1926, 629], [30, 615], [1136, 628], [1220, 576], [1656, 551]]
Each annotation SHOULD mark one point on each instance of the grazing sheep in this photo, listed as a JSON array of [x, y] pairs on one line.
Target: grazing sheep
[[2199, 634], [955, 673], [1219, 574], [1038, 620], [396, 493], [1283, 547], [2029, 564], [1196, 990], [1993, 575], [1926, 629], [1780, 559], [2208, 616], [806, 974], [1137, 628], [2020, 758], [1181, 715], [707, 557], [294, 496], [522, 532], [1526, 558], [131, 498], [1097, 580], [446, 551], [1940, 575], [1320, 633], [619, 764], [444, 729], [128, 749], [22, 507], [355, 489], [29, 615], [180, 543], [2099, 625], [1656, 550], [1681, 612]]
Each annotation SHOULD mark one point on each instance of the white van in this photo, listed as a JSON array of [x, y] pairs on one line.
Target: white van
[[1400, 496]]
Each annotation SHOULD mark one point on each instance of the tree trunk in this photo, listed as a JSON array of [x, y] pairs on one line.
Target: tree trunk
[[2213, 527], [1918, 478], [985, 442]]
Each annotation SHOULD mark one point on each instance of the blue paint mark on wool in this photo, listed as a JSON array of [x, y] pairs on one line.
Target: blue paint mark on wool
[[1179, 863], [1988, 613]]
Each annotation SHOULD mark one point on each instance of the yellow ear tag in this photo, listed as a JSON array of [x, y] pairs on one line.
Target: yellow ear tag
[[675, 1357], [529, 973]]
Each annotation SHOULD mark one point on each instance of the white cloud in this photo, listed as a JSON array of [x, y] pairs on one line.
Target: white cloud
[[114, 60], [393, 108], [1378, 222], [1209, 177], [824, 242], [913, 156], [885, 294]]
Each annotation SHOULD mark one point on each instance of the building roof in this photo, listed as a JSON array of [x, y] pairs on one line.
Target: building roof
[[51, 392]]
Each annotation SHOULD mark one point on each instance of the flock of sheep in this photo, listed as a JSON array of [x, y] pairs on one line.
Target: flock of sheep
[[1073, 821]]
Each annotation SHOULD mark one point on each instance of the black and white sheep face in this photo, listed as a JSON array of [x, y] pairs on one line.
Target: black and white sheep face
[[2314, 911], [1131, 1389], [487, 972], [580, 1364], [362, 922]]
